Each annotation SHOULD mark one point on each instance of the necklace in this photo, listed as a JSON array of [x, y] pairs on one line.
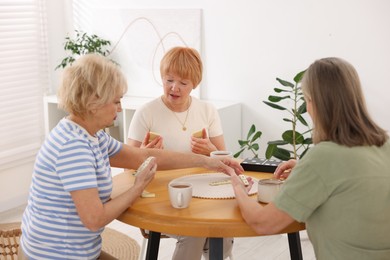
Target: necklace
[[183, 124]]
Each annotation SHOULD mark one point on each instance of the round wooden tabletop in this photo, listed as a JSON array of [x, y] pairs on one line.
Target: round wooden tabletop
[[203, 218]]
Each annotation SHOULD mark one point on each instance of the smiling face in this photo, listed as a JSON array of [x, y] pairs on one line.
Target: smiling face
[[176, 92]]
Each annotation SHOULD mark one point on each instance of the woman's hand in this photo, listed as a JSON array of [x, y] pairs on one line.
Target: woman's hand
[[239, 185], [226, 165], [202, 145], [145, 176], [283, 170], [156, 143]]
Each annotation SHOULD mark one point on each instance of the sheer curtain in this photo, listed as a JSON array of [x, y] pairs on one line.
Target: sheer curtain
[[23, 79]]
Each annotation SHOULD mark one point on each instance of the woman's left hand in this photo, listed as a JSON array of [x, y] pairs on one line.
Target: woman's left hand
[[202, 145]]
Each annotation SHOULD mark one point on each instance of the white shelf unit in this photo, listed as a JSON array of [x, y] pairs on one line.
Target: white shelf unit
[[230, 113]]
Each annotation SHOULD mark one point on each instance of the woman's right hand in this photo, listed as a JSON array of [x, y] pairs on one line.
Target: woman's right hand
[[283, 170], [157, 143], [146, 175]]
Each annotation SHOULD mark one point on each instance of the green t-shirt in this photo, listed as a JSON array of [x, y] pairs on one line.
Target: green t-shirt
[[343, 196]]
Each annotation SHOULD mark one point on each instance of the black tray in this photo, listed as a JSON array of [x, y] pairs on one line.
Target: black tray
[[260, 164]]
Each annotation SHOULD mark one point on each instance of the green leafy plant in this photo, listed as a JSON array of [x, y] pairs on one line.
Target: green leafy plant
[[297, 143], [293, 144], [250, 143], [83, 44]]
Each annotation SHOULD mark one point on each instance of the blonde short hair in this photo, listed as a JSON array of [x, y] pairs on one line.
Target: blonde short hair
[[92, 79], [183, 61], [338, 104]]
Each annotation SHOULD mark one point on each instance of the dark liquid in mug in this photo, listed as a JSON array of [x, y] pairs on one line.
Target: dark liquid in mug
[[180, 186]]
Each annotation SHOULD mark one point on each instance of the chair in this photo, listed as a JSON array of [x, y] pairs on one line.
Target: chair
[[9, 240]]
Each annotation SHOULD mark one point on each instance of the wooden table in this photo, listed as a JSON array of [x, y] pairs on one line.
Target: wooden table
[[212, 218]]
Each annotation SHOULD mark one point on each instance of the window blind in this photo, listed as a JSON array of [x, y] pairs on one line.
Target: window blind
[[23, 80]]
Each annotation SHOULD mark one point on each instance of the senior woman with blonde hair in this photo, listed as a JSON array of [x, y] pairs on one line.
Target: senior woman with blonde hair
[[69, 201], [341, 187]]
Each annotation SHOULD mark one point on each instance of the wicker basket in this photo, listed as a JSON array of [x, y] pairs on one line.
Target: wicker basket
[[115, 243], [9, 240]]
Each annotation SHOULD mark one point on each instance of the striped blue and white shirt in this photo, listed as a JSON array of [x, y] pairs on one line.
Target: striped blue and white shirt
[[70, 159]]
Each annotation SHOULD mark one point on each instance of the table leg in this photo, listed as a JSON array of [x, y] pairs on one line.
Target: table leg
[[294, 243], [215, 248], [153, 245]]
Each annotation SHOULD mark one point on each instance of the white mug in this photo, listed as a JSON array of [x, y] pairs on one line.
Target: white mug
[[180, 194], [267, 189], [221, 154]]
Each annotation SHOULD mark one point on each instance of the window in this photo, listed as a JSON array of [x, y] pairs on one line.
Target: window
[[23, 80]]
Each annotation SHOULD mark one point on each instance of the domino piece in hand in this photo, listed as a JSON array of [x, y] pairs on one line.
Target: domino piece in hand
[[143, 165], [243, 179], [198, 134], [152, 136]]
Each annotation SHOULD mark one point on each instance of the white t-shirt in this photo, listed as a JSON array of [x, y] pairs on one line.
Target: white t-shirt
[[155, 116]]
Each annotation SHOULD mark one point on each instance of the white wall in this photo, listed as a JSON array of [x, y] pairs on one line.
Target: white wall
[[14, 185], [59, 21], [247, 44]]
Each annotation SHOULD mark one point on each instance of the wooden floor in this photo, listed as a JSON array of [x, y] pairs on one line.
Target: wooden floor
[[248, 248]]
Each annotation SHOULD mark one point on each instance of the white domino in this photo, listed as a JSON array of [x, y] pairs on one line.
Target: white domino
[[217, 183], [143, 165], [146, 194], [243, 179]]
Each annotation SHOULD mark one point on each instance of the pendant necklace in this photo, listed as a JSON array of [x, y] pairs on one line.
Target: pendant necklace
[[183, 124]]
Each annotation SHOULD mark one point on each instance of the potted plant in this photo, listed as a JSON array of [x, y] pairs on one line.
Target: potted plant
[[293, 143], [83, 43], [250, 144]]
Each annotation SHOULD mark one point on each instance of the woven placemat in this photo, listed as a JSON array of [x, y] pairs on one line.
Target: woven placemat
[[202, 185], [120, 245]]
